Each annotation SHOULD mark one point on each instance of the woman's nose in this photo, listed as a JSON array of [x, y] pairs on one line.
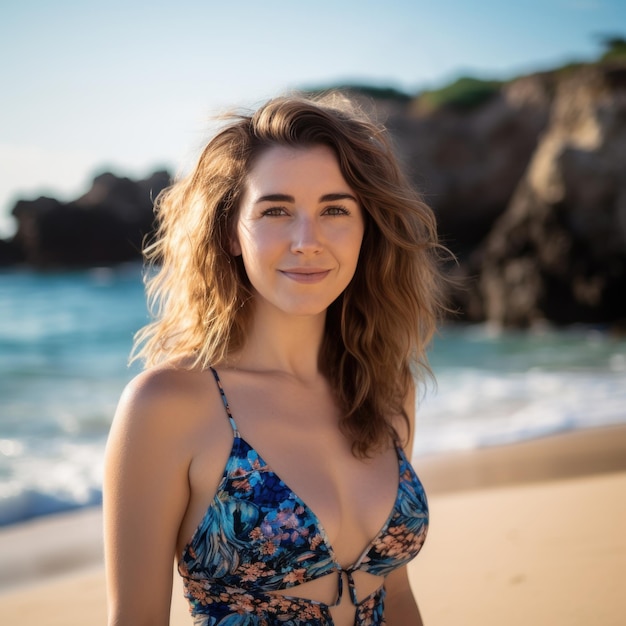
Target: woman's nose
[[306, 237]]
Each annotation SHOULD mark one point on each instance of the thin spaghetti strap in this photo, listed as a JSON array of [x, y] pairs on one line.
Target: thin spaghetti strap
[[225, 401]]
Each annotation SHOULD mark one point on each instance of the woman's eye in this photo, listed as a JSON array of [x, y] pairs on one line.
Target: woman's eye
[[336, 210], [273, 211]]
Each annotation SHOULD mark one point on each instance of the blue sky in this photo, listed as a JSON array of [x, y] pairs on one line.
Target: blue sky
[[129, 86]]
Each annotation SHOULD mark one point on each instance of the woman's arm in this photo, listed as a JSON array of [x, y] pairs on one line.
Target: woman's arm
[[400, 606], [145, 496]]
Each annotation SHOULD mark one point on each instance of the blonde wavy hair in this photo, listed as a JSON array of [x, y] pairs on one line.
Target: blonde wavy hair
[[377, 331]]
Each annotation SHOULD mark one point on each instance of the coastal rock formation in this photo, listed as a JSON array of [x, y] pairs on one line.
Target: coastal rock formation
[[468, 162], [103, 227], [10, 252], [558, 254]]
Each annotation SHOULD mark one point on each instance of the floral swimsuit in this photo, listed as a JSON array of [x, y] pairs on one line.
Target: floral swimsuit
[[259, 537]]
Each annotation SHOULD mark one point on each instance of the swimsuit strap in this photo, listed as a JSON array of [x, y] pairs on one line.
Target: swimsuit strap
[[225, 401]]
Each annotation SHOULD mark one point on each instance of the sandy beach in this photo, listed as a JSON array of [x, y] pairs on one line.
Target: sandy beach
[[531, 533]]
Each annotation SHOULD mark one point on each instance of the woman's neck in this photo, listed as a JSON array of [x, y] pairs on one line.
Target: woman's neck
[[289, 344]]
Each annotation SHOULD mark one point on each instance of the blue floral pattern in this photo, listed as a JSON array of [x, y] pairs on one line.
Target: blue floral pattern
[[258, 537]]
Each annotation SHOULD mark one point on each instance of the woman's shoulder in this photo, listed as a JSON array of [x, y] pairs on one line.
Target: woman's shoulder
[[170, 398], [161, 384], [168, 418]]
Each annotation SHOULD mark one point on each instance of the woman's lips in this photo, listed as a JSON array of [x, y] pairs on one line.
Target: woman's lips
[[308, 275]]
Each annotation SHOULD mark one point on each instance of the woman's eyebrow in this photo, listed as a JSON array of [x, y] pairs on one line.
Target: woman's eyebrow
[[275, 197], [282, 197], [333, 197]]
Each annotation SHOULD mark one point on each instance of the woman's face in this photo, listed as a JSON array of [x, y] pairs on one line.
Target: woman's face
[[299, 229]]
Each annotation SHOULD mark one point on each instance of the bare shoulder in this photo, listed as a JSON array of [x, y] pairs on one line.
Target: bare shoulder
[[161, 386], [167, 401]]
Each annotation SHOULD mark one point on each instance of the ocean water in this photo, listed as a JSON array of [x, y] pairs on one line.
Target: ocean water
[[65, 340]]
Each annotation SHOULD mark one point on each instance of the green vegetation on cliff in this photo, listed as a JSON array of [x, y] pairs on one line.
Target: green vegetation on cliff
[[463, 94], [615, 49]]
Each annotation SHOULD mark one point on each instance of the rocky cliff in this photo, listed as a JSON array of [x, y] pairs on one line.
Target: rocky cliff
[[105, 226], [558, 252]]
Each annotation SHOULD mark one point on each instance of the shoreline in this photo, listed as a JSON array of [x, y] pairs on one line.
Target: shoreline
[[535, 526], [559, 456]]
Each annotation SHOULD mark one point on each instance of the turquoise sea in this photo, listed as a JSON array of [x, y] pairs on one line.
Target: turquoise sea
[[65, 340]]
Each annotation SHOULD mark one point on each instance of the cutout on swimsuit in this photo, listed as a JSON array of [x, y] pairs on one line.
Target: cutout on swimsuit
[[259, 539]]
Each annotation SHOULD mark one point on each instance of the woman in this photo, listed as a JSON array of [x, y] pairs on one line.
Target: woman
[[296, 289]]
